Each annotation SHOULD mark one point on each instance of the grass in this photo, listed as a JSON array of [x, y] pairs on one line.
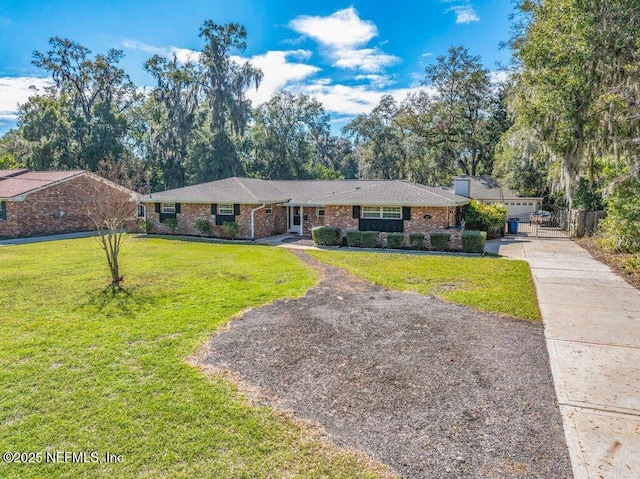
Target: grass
[[494, 285], [84, 370]]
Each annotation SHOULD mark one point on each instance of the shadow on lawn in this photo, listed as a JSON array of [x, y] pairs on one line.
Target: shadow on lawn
[[121, 301]]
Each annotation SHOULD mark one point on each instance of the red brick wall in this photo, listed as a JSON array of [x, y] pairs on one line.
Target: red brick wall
[[39, 213], [264, 224], [342, 217], [313, 220]]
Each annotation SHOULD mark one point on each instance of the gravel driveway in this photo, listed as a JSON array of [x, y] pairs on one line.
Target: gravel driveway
[[432, 389]]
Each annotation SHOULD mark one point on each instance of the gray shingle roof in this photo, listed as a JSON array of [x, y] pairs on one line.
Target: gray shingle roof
[[229, 190], [310, 193], [488, 188]]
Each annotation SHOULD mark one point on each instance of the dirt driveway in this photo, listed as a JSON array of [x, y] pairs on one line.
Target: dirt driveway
[[432, 389]]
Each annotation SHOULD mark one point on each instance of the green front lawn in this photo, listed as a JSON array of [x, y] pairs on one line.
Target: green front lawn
[[81, 370], [490, 284]]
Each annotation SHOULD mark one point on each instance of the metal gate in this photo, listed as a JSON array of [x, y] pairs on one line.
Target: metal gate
[[543, 224]]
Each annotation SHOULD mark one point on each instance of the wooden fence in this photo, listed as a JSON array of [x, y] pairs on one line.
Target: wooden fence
[[584, 223]]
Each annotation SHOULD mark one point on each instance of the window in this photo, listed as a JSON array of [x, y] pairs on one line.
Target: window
[[320, 211], [392, 213], [371, 212], [382, 212], [268, 209], [142, 211], [225, 209], [169, 208], [3, 211]]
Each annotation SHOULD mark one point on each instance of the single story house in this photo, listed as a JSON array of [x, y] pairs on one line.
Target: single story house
[[488, 190], [263, 208], [50, 202]]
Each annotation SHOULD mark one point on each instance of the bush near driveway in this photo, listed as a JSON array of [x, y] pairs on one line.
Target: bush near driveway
[[473, 241]]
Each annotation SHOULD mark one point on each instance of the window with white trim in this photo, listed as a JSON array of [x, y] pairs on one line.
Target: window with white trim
[[319, 210], [169, 208], [382, 212], [371, 212], [268, 209], [142, 211], [225, 209]]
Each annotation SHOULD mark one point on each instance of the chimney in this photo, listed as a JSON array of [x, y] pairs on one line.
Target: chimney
[[462, 187]]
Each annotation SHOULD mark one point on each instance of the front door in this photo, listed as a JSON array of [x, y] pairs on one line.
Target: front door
[[295, 223]]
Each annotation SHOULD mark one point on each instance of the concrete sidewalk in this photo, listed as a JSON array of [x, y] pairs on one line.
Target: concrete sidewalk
[[592, 329]]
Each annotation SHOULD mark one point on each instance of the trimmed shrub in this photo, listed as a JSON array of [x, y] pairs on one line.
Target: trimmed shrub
[[439, 241], [172, 224], [491, 218], [147, 226], [416, 240], [231, 228], [325, 235], [473, 241], [395, 240], [203, 226], [370, 239], [354, 238]]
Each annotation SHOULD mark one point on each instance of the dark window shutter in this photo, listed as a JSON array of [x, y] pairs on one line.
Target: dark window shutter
[[157, 207], [406, 213], [236, 209], [356, 212], [177, 208], [3, 211], [214, 209]]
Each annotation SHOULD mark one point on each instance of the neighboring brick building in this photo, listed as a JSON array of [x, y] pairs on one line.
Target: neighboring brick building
[[50, 202], [264, 208]]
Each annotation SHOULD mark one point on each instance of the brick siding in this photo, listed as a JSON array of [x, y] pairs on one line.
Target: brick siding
[[59, 208], [439, 221], [265, 225]]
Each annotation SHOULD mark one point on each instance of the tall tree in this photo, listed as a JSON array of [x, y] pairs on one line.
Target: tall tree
[[224, 83], [90, 96], [379, 138], [172, 110], [578, 85], [462, 91], [286, 136]]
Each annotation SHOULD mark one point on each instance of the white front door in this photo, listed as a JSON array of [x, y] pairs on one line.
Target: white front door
[[295, 219]]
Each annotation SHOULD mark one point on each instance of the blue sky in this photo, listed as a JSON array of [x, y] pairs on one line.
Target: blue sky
[[347, 54]]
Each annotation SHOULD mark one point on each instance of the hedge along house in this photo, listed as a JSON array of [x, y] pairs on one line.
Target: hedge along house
[[50, 202], [263, 208]]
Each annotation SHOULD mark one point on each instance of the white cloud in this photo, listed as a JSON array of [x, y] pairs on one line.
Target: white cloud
[[15, 90], [499, 76], [341, 33], [365, 59], [278, 71], [464, 14], [341, 29], [183, 55], [379, 81], [351, 100]]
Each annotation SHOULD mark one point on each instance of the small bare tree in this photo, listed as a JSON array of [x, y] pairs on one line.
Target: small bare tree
[[111, 211]]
